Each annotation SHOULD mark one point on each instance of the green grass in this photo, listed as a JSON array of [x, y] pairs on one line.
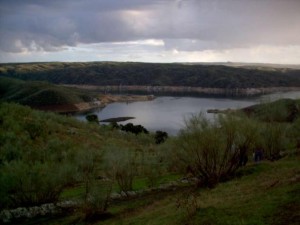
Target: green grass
[[34, 93], [139, 183], [267, 193], [251, 199]]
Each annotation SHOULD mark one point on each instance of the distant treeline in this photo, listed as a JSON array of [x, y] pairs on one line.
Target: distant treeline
[[154, 74]]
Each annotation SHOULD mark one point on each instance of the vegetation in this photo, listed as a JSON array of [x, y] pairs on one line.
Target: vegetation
[[48, 158], [282, 110], [213, 152], [156, 74], [36, 93], [43, 154], [160, 137]]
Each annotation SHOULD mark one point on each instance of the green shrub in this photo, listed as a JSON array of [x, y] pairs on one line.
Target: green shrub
[[212, 151], [121, 166]]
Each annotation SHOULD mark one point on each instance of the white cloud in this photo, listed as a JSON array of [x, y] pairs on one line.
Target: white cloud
[[153, 30]]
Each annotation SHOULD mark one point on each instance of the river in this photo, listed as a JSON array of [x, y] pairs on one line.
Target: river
[[169, 113]]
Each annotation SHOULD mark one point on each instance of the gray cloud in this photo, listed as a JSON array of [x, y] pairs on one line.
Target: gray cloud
[[187, 25]]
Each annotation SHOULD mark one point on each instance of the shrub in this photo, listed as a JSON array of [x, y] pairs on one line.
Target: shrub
[[136, 129], [160, 137], [121, 166], [33, 184], [273, 140], [92, 118], [211, 151]]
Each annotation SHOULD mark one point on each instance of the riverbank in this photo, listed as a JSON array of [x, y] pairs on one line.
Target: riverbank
[[106, 99], [185, 90], [100, 102]]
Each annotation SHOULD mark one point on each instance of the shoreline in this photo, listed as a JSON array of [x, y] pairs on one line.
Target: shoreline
[[101, 102], [150, 90]]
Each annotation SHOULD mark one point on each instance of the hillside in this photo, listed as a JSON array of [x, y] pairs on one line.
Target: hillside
[[99, 175], [42, 95], [282, 110], [154, 74]]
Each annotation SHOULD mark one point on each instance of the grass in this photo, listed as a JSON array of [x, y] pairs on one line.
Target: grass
[[34, 93], [267, 193], [139, 183]]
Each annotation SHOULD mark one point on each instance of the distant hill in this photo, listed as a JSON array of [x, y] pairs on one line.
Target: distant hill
[[40, 94], [229, 76]]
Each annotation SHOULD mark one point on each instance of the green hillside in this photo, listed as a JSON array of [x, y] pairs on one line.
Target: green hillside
[[49, 158], [283, 110], [37, 93], [158, 74]]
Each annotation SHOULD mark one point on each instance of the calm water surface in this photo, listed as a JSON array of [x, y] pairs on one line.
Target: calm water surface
[[168, 113]]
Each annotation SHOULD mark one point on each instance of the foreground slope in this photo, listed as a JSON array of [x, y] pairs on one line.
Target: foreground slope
[[47, 152]]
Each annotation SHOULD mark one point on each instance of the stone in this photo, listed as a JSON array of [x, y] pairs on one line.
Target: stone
[[131, 193], [5, 216]]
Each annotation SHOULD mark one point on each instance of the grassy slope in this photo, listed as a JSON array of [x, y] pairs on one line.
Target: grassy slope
[[268, 193], [39, 93], [283, 110], [174, 74]]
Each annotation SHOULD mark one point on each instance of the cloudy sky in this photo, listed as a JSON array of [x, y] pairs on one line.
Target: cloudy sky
[[266, 31]]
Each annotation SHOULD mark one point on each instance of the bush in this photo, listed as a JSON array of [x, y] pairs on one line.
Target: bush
[[212, 151], [92, 118], [136, 129], [35, 184], [160, 137], [121, 166], [274, 140]]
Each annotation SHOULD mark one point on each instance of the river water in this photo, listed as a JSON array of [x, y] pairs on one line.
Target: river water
[[168, 113]]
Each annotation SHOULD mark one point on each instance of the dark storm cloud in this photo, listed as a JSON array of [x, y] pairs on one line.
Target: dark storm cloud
[[188, 25]]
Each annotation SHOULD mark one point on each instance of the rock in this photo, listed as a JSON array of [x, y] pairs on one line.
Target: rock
[[33, 212], [115, 196], [67, 204], [139, 192], [123, 194], [131, 193], [5, 216], [19, 212], [48, 209]]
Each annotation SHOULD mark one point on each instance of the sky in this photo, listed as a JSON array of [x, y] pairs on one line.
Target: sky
[[263, 31]]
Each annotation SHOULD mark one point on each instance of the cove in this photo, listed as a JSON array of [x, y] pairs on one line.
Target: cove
[[168, 113]]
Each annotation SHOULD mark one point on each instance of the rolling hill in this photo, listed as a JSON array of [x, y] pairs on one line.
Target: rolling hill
[[42, 95], [155, 74]]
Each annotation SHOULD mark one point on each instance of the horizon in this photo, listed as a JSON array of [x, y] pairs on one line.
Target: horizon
[[150, 31], [192, 63]]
